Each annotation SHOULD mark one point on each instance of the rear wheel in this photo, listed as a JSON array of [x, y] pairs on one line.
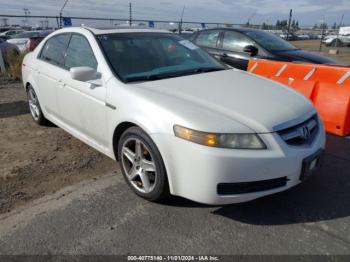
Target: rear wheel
[[142, 165], [34, 107]]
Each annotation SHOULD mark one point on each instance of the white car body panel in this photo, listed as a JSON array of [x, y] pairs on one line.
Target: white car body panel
[[228, 101]]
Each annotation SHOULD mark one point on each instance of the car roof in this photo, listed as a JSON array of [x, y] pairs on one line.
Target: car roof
[[237, 29], [99, 31]]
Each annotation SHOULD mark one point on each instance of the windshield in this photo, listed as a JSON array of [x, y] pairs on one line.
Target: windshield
[[154, 56], [270, 41]]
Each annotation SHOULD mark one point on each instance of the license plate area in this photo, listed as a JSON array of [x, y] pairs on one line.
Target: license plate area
[[311, 164]]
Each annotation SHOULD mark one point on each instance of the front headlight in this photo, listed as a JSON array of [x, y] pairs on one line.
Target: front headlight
[[235, 141]]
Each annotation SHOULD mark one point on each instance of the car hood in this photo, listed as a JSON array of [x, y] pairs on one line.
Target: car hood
[[305, 56], [260, 104]]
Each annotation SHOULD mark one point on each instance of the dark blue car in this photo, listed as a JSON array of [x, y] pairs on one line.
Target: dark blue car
[[235, 46]]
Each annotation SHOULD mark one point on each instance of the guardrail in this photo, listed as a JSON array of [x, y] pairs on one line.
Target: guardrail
[[328, 87]]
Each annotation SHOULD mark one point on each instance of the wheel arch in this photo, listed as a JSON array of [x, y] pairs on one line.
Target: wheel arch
[[118, 131], [26, 86]]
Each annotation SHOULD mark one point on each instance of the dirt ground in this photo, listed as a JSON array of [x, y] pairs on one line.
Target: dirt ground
[[34, 160], [314, 45]]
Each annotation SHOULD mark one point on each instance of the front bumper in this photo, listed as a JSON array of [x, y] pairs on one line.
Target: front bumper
[[195, 171]]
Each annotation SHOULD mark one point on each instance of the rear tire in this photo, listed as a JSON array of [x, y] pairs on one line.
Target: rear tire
[[142, 165], [34, 107]]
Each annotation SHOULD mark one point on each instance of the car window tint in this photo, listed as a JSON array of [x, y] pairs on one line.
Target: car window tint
[[79, 53], [235, 41], [208, 38], [175, 50], [136, 54], [270, 41], [55, 48]]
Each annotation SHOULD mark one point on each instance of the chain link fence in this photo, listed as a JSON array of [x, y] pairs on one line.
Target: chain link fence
[[54, 22]]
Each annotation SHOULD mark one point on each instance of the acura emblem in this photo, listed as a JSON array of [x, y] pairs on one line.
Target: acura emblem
[[304, 132]]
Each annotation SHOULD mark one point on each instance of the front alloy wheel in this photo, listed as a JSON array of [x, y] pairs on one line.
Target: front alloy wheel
[[142, 165], [139, 166]]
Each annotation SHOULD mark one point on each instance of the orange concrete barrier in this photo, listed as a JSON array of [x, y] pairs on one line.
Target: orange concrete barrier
[[333, 105], [328, 87]]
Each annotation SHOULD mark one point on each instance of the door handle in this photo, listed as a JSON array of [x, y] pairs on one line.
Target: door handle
[[61, 83]]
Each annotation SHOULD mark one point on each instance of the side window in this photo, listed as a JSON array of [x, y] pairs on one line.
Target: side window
[[54, 49], [208, 38], [235, 41], [79, 53]]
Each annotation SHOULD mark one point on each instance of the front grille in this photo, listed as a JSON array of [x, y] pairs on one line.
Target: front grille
[[250, 187], [302, 134]]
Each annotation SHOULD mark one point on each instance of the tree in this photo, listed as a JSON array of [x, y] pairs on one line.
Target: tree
[[334, 26], [278, 24]]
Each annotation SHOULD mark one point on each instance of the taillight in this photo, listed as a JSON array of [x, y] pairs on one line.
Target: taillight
[[30, 45]]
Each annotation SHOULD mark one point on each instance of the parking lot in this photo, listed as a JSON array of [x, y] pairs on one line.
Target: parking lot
[[58, 196], [314, 45]]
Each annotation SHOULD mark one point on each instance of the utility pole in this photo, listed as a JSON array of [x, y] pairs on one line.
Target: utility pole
[[130, 14], [61, 11], [341, 23], [180, 24], [323, 25], [26, 13], [289, 22]]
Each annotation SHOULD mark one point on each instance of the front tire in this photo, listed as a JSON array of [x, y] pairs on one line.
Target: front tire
[[142, 165], [34, 107]]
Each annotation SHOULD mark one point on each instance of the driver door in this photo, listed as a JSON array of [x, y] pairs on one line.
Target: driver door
[[81, 104], [232, 47]]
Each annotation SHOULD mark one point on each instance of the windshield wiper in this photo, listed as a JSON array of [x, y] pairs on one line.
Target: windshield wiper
[[153, 77]]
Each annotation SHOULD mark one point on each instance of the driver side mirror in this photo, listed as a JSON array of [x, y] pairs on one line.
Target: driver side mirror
[[252, 50], [85, 74]]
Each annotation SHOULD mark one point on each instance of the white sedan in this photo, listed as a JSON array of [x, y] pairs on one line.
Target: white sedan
[[178, 121]]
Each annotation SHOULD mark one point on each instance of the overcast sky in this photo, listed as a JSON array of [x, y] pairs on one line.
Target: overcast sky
[[308, 12]]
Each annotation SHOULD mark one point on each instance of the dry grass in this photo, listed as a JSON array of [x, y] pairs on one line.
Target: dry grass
[[13, 62]]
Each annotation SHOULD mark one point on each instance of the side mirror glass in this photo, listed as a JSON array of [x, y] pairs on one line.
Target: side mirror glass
[[252, 50], [84, 74]]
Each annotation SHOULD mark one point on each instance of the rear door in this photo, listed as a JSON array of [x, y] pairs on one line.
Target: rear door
[[209, 40], [50, 62]]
